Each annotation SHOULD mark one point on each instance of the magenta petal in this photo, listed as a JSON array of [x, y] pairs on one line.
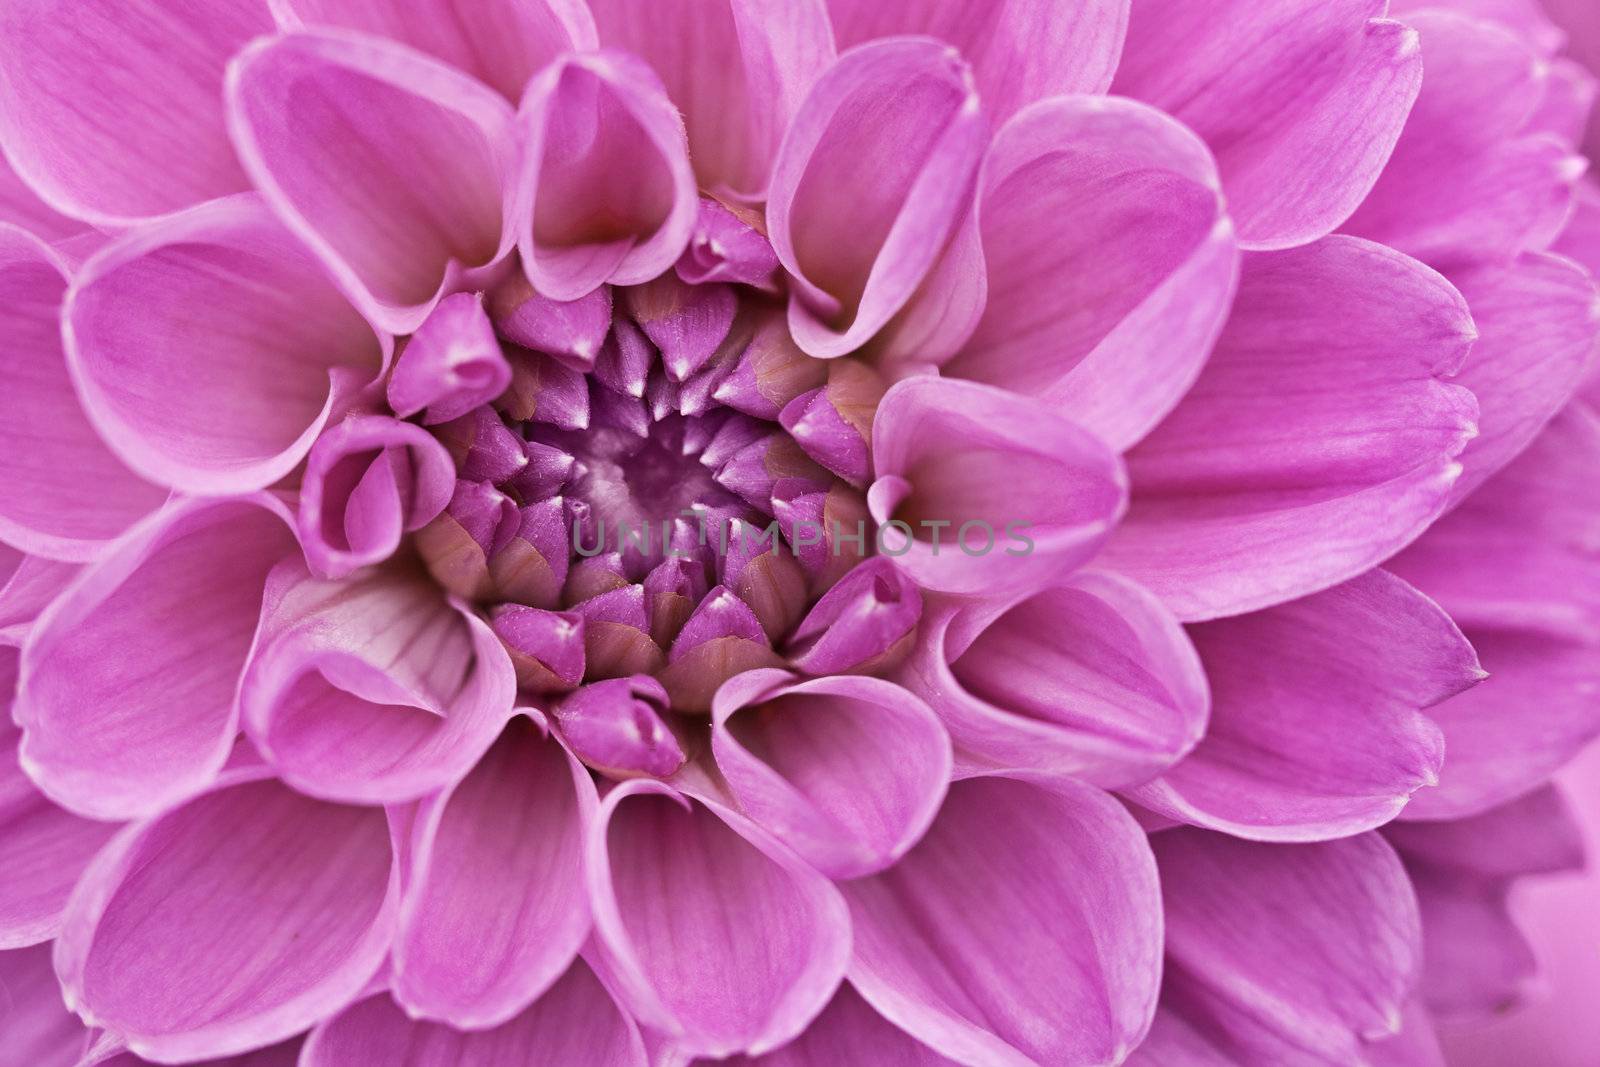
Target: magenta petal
[[849, 1033], [1318, 440], [396, 169], [1346, 675], [572, 331], [980, 490], [451, 365], [792, 755], [28, 589], [157, 948], [867, 620], [112, 123], [44, 433], [21, 206], [501, 42], [128, 679], [747, 947], [606, 190], [616, 726], [232, 401], [873, 178], [376, 689], [40, 1030], [1024, 928]]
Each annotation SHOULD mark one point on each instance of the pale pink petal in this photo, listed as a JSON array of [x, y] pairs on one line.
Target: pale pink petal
[[39, 1030], [847, 771], [1020, 50], [113, 120], [1527, 18], [1318, 440], [232, 401], [1110, 263], [397, 170], [849, 1033], [1302, 100], [1024, 928], [1317, 729], [874, 177], [746, 947], [501, 42], [62, 493], [230, 922], [607, 193], [1090, 677], [128, 678], [21, 206], [494, 910], [737, 69]]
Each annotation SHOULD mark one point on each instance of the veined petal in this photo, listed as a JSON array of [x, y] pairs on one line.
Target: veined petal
[[396, 169], [1318, 440], [128, 678], [40, 1030], [28, 585], [21, 206], [849, 1033], [111, 109], [62, 492], [874, 177], [232, 401]]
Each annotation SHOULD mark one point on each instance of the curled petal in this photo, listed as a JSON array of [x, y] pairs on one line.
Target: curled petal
[[866, 622], [546, 647], [157, 948], [451, 365], [112, 123], [723, 637], [607, 194], [572, 331], [616, 727], [128, 678], [873, 178], [232, 401], [397, 170]]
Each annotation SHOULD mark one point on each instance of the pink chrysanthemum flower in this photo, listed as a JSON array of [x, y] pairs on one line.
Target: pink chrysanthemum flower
[[877, 531]]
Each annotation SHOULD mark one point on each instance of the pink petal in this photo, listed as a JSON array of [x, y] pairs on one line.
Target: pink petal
[[574, 1022], [451, 365], [1272, 85], [43, 431], [232, 401], [737, 69], [1318, 440], [1537, 833], [1024, 928], [28, 589], [1526, 18], [794, 756], [377, 689], [873, 178], [1278, 951], [992, 492], [607, 193], [128, 678], [230, 922], [1020, 50], [1317, 729], [747, 947], [40, 1031], [396, 169], [1110, 263], [1090, 677], [111, 122], [494, 910], [21, 206], [500, 42], [847, 1034]]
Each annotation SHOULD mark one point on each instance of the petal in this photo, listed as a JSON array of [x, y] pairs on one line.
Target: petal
[[112, 123], [1090, 677], [128, 678], [1060, 962], [1318, 440], [230, 922], [1271, 85], [377, 689], [1110, 263], [1287, 954], [43, 430], [494, 910], [1317, 729], [1025, 495], [874, 176], [745, 950], [396, 169], [575, 1021], [607, 193], [1537, 833], [848, 1034], [737, 69], [501, 42], [795, 757], [233, 400], [21, 206], [1020, 51], [28, 590], [1478, 962], [40, 1030], [451, 365]]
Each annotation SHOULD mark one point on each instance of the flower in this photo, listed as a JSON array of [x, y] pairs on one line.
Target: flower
[[619, 532]]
